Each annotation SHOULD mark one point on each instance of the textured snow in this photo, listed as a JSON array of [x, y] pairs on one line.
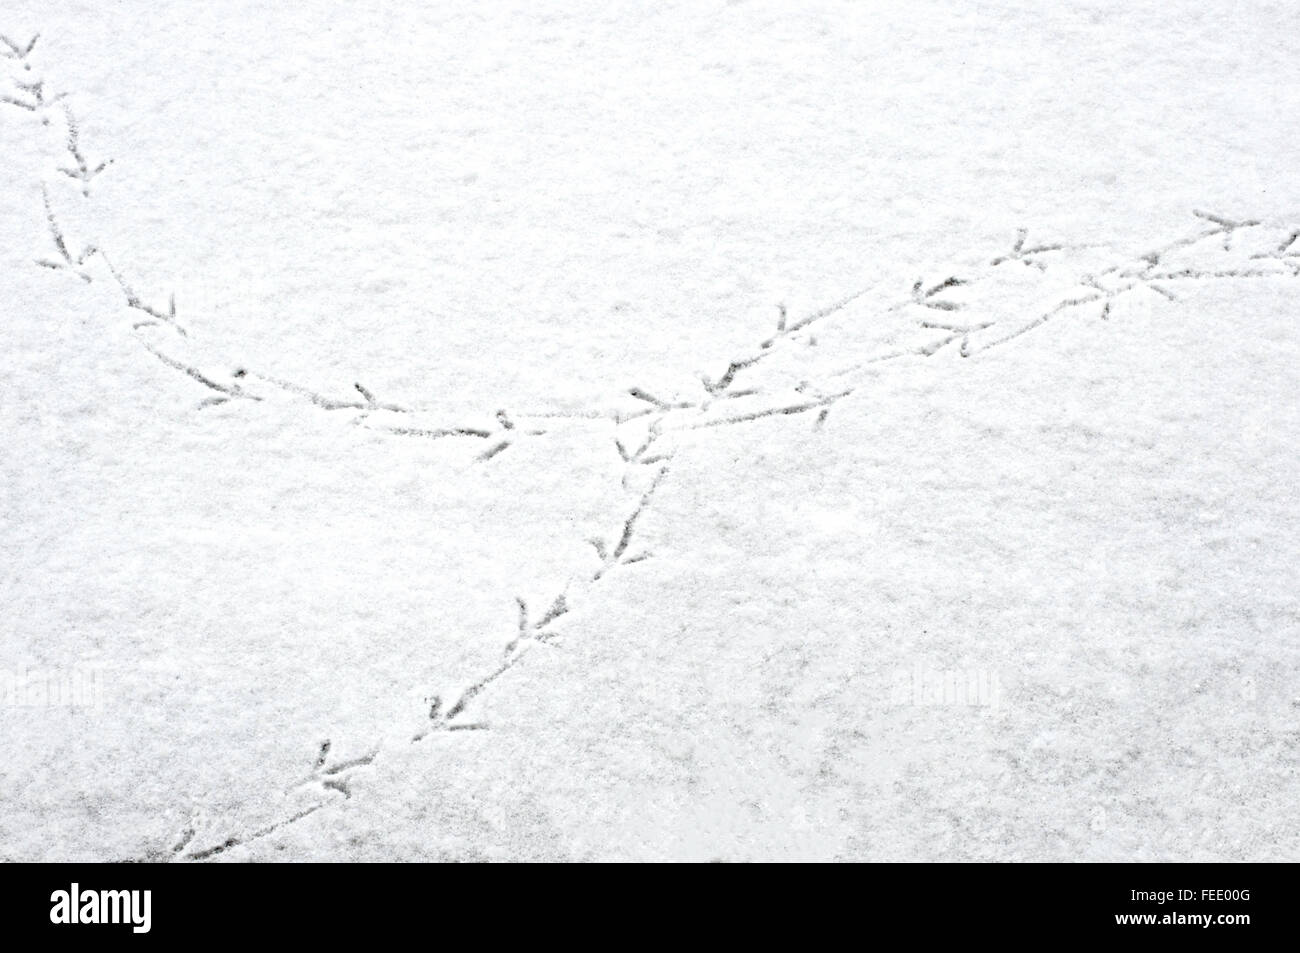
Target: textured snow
[[571, 443]]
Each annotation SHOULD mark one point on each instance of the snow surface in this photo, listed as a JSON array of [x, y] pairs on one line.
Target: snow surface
[[643, 431]]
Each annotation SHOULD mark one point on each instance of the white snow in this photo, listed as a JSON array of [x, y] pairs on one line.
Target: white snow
[[569, 442]]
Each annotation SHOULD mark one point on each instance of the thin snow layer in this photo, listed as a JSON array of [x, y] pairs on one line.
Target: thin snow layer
[[650, 431]]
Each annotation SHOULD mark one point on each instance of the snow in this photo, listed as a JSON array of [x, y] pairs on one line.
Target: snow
[[674, 431]]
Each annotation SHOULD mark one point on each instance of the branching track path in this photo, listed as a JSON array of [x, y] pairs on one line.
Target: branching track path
[[1029, 286]]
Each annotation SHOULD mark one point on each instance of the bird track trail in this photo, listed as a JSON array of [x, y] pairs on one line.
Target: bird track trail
[[967, 310]]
